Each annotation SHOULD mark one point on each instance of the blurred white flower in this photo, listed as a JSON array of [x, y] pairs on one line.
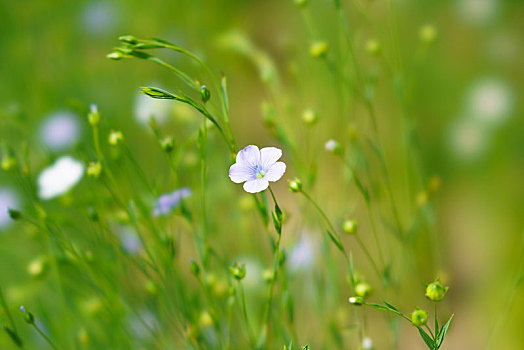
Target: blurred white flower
[[477, 12], [60, 130], [468, 139], [257, 167], [8, 199], [60, 177], [147, 107], [367, 344], [490, 101], [302, 255], [254, 272]]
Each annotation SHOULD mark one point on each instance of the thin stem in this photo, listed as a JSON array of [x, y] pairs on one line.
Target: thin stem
[[245, 315], [46, 338]]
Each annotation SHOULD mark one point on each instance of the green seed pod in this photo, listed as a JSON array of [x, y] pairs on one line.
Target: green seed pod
[[319, 49], [435, 291], [363, 289], [350, 227], [428, 34], [419, 317], [373, 47], [309, 116], [128, 39]]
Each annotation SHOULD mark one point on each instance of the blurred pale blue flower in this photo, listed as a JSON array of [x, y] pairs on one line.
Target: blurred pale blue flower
[[169, 201], [302, 256], [8, 199], [100, 17], [257, 167], [60, 130], [129, 240]]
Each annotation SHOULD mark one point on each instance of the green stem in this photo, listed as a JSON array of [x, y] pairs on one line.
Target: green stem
[[46, 338]]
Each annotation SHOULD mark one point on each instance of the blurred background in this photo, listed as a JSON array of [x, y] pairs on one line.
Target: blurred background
[[445, 79]]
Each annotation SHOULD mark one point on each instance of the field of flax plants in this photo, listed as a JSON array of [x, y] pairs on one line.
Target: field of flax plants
[[280, 174]]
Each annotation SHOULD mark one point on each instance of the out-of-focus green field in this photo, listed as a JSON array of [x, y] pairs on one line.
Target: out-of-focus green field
[[445, 83]]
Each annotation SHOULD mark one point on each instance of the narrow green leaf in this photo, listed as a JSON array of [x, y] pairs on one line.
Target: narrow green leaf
[[336, 240], [427, 339], [442, 334], [157, 93]]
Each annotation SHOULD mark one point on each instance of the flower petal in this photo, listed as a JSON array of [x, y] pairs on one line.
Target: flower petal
[[275, 172], [250, 155], [268, 156], [256, 185], [240, 172]]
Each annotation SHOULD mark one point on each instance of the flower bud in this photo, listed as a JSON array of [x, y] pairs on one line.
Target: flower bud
[[205, 94], [350, 227], [419, 317], [194, 267], [295, 185], [309, 116], [363, 289], [333, 146], [93, 116], [319, 49], [8, 162], [14, 214], [267, 276], [115, 56], [128, 39], [36, 267], [422, 198], [83, 337], [115, 138], [434, 183], [92, 214], [356, 300], [94, 170], [238, 271], [435, 291], [373, 47], [167, 144], [28, 317], [151, 287], [428, 34], [205, 319]]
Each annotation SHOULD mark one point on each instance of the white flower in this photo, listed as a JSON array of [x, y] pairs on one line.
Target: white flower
[[477, 12], [8, 199], [60, 130], [468, 139], [257, 167], [367, 344], [490, 100], [59, 177]]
